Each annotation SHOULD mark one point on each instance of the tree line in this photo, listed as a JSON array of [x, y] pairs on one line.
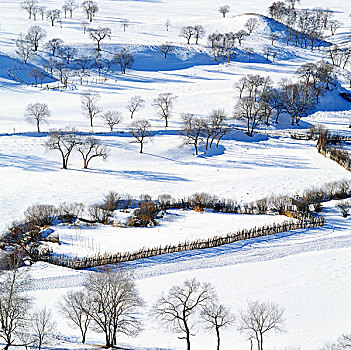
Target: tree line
[[110, 303]]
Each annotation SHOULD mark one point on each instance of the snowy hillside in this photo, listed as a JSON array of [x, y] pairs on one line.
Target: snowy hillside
[[307, 271]]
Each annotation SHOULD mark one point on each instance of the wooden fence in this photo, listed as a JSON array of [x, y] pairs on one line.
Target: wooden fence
[[99, 260]]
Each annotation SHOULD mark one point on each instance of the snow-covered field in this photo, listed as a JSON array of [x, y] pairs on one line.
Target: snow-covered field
[[176, 227], [307, 272]]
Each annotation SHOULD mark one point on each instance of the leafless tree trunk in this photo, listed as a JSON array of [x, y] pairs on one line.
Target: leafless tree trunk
[[178, 309], [260, 318], [113, 302], [76, 308]]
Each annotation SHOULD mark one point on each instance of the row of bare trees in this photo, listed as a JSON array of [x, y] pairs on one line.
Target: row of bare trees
[[303, 26], [210, 130], [89, 8], [20, 324], [110, 303], [192, 303], [259, 101]]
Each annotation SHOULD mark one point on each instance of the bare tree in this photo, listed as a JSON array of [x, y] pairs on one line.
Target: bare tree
[[85, 25], [71, 5], [99, 34], [334, 26], [216, 40], [125, 23], [136, 103], [63, 141], [89, 105], [249, 110], [67, 53], [53, 15], [35, 35], [53, 45], [89, 148], [76, 308], [260, 318], [37, 113], [178, 310], [50, 65], [187, 32], [167, 24], [240, 35], [342, 343], [14, 305], [224, 10], [299, 100], [41, 11], [166, 49], [251, 24], [249, 52], [267, 51], [273, 37], [90, 8], [193, 129], [199, 32], [29, 6], [215, 317], [43, 327], [292, 3], [114, 301], [36, 74], [218, 126], [229, 45], [125, 59], [24, 48], [164, 105], [141, 131], [112, 118]]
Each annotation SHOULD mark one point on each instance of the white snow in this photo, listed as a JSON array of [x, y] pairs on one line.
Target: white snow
[[306, 271]]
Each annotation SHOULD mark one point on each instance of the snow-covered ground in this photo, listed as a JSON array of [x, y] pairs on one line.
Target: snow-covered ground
[[176, 227], [307, 272]]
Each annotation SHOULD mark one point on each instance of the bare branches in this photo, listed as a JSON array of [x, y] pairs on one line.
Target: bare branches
[[136, 103], [76, 308], [113, 303], [125, 59], [178, 309], [99, 34], [216, 316], [37, 113], [112, 118], [141, 131], [89, 105], [166, 49], [89, 148], [62, 141], [260, 318], [224, 10], [90, 8], [164, 105]]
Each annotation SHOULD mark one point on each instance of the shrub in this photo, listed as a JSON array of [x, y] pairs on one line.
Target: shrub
[[164, 201], [146, 214], [111, 201], [202, 200], [262, 205], [41, 214], [280, 203], [69, 212], [98, 214], [315, 131], [344, 208]]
